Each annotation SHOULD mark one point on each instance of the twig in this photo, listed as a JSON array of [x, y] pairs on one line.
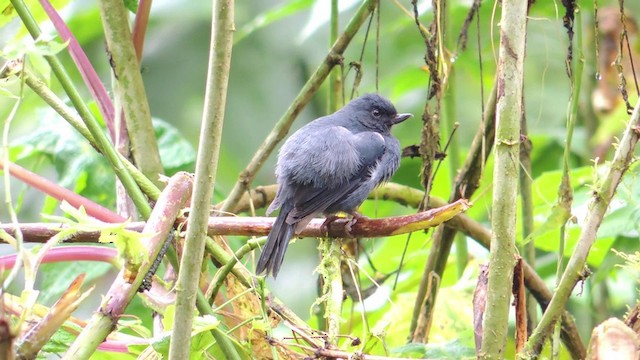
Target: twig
[[260, 226], [467, 182]]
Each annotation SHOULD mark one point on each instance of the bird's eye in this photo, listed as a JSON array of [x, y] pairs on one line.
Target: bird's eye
[[375, 113]]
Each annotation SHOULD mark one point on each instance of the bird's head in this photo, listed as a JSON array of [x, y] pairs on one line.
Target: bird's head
[[375, 112]]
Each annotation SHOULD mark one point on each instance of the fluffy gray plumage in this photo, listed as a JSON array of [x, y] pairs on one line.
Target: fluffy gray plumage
[[331, 165]]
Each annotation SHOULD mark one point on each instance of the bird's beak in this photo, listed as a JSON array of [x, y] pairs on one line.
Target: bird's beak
[[401, 117]]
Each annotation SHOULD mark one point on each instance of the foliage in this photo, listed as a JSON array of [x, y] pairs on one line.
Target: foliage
[[273, 56]]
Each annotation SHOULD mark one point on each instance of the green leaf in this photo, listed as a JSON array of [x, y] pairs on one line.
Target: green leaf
[[41, 46], [176, 152], [129, 244], [77, 164], [54, 277], [131, 5], [58, 344], [451, 350], [270, 16], [8, 13]]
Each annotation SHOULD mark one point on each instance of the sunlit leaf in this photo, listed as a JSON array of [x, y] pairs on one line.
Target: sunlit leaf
[[270, 16]]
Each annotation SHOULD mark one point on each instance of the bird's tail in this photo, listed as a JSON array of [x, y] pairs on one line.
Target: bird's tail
[[277, 242]]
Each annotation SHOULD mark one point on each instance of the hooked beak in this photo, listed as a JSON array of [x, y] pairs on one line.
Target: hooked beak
[[401, 117]]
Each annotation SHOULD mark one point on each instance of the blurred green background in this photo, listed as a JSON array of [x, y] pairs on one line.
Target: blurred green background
[[274, 54]]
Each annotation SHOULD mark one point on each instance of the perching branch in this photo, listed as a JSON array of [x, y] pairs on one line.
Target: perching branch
[[260, 226]]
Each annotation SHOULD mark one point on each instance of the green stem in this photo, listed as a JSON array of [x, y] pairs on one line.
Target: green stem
[[90, 121], [332, 288], [221, 337], [124, 289], [526, 196], [466, 184], [283, 125], [335, 81], [453, 155], [505, 176], [129, 89], [222, 273], [598, 205], [222, 28]]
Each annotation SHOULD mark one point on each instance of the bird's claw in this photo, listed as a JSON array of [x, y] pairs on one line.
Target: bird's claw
[[324, 228], [349, 225]]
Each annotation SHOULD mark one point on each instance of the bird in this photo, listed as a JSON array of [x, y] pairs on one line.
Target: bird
[[328, 166]]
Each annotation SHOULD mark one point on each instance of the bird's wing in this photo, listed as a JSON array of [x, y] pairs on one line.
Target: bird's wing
[[312, 198], [320, 156]]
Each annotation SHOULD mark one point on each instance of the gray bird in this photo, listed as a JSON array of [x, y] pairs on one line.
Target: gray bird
[[331, 165]]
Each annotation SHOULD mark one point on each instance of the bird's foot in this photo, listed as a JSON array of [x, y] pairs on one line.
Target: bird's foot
[[354, 219], [324, 228]]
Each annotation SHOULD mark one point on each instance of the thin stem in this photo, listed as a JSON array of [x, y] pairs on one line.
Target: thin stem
[[222, 273], [41, 89], [222, 28], [129, 89], [505, 177], [335, 79], [332, 285], [15, 224], [124, 289], [467, 182]]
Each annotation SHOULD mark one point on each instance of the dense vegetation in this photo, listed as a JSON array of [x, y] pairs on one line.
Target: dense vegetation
[[528, 115]]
